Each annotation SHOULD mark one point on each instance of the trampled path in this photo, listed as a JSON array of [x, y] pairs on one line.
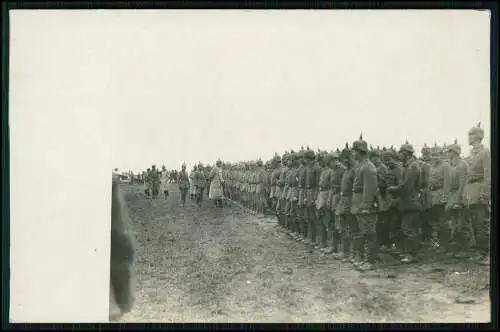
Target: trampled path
[[225, 265]]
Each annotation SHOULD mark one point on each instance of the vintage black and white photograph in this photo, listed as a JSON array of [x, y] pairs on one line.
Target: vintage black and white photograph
[[286, 166]]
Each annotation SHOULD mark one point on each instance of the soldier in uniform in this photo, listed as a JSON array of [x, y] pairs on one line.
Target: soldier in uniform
[[425, 169], [333, 227], [274, 181], [164, 181], [192, 187], [324, 187], [477, 191], [155, 182], [261, 187], [410, 203], [344, 220], [122, 251], [364, 206], [200, 183], [437, 198], [301, 208], [183, 183], [313, 171], [382, 170], [282, 191], [454, 191], [390, 231], [147, 182], [292, 196]]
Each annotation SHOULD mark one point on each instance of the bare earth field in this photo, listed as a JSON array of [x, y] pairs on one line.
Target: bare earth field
[[226, 265]]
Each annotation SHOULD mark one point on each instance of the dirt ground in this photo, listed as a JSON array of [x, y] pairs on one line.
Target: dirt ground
[[226, 265]]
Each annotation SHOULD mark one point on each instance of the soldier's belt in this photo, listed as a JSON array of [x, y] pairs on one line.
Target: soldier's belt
[[292, 186], [346, 194], [324, 188], [434, 188], [475, 179]]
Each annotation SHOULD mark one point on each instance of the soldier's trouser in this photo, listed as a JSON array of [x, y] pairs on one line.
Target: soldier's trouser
[[292, 215], [440, 229], [367, 245], [480, 219], [347, 228], [383, 228], [312, 222], [199, 196], [459, 229], [302, 219], [323, 217], [411, 232], [425, 226], [183, 195], [155, 190], [394, 223]]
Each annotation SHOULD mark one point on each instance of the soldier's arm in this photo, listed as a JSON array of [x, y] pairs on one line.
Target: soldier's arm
[[462, 179], [370, 185], [122, 251], [486, 162], [407, 181]]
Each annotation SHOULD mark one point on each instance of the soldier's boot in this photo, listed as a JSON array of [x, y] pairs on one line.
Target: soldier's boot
[[347, 246], [359, 248], [371, 252]]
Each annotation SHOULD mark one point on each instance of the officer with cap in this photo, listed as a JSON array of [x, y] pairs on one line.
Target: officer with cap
[[274, 180], [425, 169], [454, 191], [261, 187], [301, 175], [324, 186], [382, 171], [292, 196], [390, 234], [437, 198], [410, 203], [477, 191], [282, 191], [344, 221], [183, 183], [313, 171], [364, 206]]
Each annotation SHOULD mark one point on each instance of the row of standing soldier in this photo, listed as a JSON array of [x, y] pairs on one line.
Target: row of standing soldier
[[359, 201]]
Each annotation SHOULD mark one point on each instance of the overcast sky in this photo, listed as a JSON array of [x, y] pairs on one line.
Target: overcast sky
[[174, 86]]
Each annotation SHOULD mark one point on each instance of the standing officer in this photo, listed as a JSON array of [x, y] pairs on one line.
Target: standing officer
[[425, 168], [282, 191], [410, 204], [382, 170], [437, 198], [301, 175], [477, 191], [454, 191], [292, 196], [274, 180], [390, 232], [324, 187], [343, 217], [364, 206], [183, 183], [313, 171]]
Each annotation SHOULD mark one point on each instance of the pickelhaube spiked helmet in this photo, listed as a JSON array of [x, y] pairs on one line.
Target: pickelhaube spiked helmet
[[360, 144], [455, 147], [477, 130], [425, 150], [407, 147]]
